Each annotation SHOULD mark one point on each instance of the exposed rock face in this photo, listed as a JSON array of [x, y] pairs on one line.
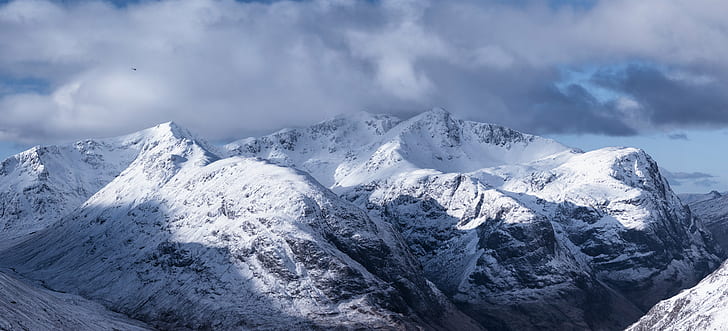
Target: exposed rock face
[[519, 231], [181, 238], [712, 209], [513, 258], [703, 307]]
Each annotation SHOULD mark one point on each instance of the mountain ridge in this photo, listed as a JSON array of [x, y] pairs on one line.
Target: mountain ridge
[[179, 225], [390, 143], [519, 231], [591, 205]]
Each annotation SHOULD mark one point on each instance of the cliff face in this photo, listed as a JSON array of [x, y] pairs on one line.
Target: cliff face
[[712, 209], [519, 231]]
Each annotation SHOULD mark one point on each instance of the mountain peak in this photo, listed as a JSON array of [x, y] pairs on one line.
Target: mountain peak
[[170, 128], [361, 115], [171, 125], [439, 111], [436, 114]]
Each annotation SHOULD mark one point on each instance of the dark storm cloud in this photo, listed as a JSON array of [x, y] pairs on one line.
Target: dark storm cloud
[[672, 98], [678, 136], [227, 68], [526, 99]]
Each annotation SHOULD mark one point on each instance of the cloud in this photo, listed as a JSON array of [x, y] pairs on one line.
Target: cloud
[[695, 178], [689, 175], [671, 99], [708, 183], [227, 69], [678, 136]]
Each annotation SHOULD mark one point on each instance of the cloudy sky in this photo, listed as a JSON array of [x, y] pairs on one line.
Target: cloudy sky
[[647, 73]]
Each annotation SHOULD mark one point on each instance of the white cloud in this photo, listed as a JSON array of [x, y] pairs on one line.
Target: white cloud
[[225, 68]]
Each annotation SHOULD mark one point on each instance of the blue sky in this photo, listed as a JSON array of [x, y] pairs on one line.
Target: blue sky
[[590, 73], [9, 148]]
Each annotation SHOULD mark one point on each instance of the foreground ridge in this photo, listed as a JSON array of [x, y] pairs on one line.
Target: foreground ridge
[[703, 307]]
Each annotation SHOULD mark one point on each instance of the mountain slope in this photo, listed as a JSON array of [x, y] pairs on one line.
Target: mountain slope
[[712, 208], [564, 254], [24, 306], [182, 238], [518, 230], [703, 307], [41, 185]]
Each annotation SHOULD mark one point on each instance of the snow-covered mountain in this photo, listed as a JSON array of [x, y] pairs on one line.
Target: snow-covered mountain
[[712, 209], [520, 231], [690, 198], [365, 221], [182, 238], [703, 307], [354, 150], [27, 306], [40, 185]]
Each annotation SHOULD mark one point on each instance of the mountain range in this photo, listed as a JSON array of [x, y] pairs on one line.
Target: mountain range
[[360, 222]]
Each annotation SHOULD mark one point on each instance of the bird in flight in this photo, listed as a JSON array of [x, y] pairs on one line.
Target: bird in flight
[[133, 69]]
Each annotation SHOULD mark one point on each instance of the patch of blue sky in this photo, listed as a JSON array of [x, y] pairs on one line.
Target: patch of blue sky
[[17, 85], [583, 76], [8, 148]]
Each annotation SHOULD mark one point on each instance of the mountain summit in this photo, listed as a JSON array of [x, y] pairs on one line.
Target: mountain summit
[[519, 231], [183, 239], [365, 221], [346, 152]]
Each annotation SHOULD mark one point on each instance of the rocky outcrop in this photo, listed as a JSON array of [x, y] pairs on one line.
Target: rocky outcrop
[[519, 231]]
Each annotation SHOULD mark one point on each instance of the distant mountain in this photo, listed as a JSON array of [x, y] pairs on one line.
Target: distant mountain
[[690, 198], [712, 208], [354, 150], [360, 222], [519, 231]]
